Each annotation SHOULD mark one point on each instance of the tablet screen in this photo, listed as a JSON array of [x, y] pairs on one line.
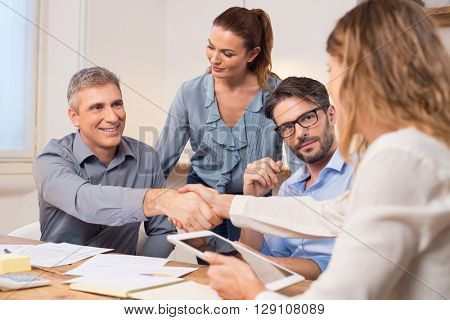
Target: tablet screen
[[213, 244], [266, 271]]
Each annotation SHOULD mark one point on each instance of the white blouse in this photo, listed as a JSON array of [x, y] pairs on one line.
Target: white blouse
[[393, 226]]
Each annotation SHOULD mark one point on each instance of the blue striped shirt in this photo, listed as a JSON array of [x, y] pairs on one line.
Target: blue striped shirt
[[221, 153]]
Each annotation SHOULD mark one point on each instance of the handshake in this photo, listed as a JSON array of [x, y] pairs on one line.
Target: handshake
[[192, 208], [195, 207]]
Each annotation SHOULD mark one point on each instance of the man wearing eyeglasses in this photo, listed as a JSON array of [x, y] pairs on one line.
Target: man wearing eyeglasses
[[301, 110]]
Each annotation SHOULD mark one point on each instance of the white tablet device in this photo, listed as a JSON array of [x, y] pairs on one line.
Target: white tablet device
[[272, 275]]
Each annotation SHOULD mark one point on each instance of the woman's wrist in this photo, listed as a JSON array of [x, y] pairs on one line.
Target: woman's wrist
[[222, 204]]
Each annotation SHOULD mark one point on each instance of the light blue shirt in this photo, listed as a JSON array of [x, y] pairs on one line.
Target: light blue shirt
[[221, 153], [333, 180]]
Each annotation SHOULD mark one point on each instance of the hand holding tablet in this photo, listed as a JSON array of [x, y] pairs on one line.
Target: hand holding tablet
[[257, 272], [229, 284]]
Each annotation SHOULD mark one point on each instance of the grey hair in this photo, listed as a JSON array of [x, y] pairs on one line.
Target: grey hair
[[95, 76]]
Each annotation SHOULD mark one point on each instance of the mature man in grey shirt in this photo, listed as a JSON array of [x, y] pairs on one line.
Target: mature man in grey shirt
[[94, 184]]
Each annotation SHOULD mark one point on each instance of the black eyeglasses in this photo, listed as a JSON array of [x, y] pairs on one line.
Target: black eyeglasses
[[306, 120]]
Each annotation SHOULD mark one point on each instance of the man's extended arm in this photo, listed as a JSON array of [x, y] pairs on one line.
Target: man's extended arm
[[307, 268], [60, 186]]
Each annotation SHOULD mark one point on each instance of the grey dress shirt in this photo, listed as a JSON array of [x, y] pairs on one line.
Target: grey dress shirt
[[83, 202]]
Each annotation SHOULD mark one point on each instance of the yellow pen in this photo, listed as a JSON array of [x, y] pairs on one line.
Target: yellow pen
[[157, 274]]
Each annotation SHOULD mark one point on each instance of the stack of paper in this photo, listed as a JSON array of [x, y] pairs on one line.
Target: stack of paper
[[59, 254], [122, 275], [13, 248], [116, 264]]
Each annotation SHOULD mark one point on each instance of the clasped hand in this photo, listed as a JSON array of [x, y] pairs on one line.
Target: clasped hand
[[186, 209], [205, 200]]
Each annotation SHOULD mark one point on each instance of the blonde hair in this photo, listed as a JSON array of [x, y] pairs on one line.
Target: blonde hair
[[398, 71]]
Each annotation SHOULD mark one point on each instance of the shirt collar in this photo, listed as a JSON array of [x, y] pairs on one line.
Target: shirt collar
[[209, 90], [124, 150], [301, 174], [336, 163], [256, 104], [81, 151]]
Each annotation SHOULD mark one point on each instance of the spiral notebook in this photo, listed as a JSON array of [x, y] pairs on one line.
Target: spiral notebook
[[147, 288]]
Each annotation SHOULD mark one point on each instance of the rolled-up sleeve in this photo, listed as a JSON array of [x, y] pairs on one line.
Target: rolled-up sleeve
[[60, 186]]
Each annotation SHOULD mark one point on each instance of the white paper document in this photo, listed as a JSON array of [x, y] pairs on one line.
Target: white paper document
[[117, 264], [13, 248], [134, 280], [59, 254], [175, 272]]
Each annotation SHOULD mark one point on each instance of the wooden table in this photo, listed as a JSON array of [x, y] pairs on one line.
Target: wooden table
[[60, 291]]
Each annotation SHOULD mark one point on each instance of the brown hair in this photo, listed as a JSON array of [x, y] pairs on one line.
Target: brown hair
[[88, 77], [306, 89], [397, 71], [255, 28]]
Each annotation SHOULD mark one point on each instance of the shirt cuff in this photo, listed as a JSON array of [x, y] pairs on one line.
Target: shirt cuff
[[133, 203], [237, 210], [270, 295]]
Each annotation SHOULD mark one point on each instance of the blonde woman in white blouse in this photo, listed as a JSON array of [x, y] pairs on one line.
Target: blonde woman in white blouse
[[390, 80]]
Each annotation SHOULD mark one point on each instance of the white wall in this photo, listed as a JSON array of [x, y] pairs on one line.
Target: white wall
[[188, 27], [301, 29], [153, 45], [129, 39]]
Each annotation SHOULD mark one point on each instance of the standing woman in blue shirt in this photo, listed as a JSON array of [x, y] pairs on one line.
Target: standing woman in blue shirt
[[221, 111]]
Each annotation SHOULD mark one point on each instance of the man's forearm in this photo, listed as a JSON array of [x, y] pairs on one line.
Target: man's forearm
[[157, 201], [252, 238], [307, 268]]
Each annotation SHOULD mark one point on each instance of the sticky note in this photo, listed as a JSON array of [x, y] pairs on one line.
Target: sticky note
[[11, 262]]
